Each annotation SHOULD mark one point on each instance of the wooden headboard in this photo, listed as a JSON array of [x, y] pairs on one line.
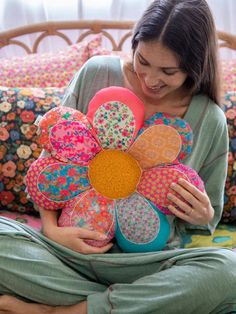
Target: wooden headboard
[[86, 28]]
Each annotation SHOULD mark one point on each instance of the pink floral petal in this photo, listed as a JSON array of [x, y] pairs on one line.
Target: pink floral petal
[[73, 141], [155, 183], [92, 211], [58, 115], [116, 114]]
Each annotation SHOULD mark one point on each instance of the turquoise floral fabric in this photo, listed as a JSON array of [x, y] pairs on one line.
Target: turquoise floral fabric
[[229, 107], [19, 108]]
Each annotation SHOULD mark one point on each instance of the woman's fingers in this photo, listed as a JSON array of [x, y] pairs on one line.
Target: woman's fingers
[[190, 193], [181, 204], [190, 204], [85, 248], [89, 249], [84, 233], [193, 190], [182, 215]]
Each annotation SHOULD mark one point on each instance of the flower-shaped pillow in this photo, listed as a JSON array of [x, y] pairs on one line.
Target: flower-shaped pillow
[[110, 170]]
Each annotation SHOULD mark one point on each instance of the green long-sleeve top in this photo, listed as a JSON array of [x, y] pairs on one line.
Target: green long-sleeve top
[[207, 120]]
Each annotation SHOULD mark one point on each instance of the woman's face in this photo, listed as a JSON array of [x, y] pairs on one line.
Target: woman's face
[[157, 69]]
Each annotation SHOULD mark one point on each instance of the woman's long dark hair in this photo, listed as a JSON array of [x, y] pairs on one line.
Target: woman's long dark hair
[[187, 28]]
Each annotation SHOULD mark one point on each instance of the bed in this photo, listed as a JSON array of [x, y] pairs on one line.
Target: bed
[[33, 80]]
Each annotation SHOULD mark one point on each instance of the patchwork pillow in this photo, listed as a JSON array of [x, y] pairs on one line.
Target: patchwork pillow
[[111, 170], [52, 69], [228, 68], [19, 147], [229, 106]]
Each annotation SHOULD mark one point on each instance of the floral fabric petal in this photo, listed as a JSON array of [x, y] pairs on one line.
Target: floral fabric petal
[[92, 211], [180, 125], [51, 183], [140, 225], [73, 141], [116, 114], [157, 145], [155, 184], [58, 115], [192, 175]]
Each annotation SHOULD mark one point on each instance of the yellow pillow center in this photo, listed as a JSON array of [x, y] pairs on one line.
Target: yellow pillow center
[[114, 174]]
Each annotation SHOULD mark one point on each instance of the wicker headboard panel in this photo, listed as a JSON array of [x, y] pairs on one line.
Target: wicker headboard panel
[[87, 27], [13, 36]]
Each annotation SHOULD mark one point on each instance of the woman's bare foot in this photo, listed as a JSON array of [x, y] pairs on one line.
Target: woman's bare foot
[[11, 305]]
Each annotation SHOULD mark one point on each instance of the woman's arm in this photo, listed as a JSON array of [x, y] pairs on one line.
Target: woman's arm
[[203, 210], [228, 40], [71, 237]]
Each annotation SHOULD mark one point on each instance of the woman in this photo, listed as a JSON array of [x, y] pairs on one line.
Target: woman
[[173, 70]]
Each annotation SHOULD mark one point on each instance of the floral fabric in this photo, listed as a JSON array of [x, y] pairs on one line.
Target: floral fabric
[[224, 236], [52, 69], [114, 172], [19, 147], [229, 213], [228, 69], [119, 119]]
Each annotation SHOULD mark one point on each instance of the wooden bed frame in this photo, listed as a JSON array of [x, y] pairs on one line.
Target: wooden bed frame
[[86, 28]]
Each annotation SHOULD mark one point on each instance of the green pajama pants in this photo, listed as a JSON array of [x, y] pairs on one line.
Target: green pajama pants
[[176, 281]]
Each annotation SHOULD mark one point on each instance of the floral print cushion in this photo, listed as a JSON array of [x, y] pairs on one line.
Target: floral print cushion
[[228, 68], [229, 213], [48, 69], [19, 147]]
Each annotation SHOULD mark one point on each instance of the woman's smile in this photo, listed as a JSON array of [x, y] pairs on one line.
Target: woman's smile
[[157, 90]]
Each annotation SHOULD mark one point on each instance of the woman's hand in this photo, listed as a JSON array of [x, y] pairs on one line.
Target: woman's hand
[[73, 238], [194, 206]]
